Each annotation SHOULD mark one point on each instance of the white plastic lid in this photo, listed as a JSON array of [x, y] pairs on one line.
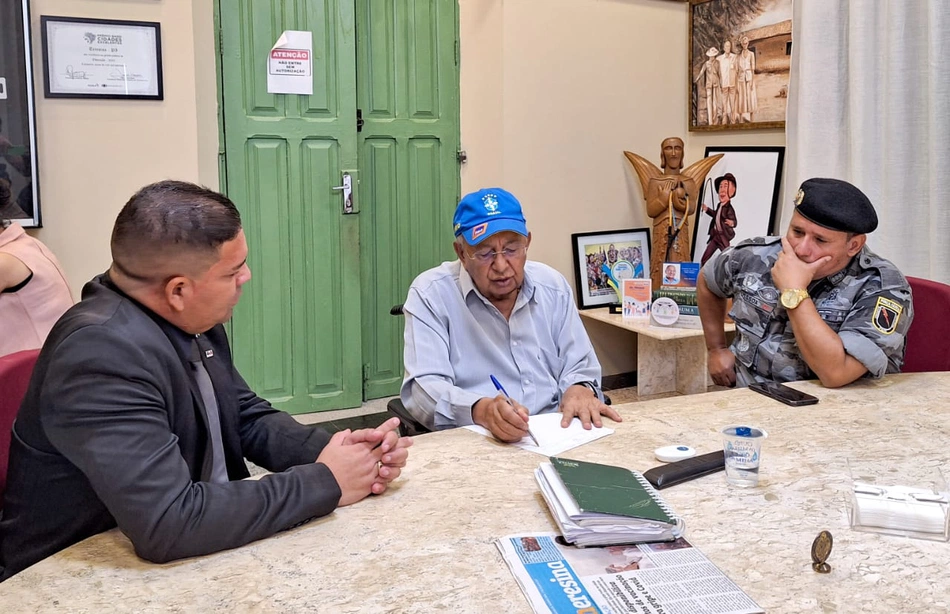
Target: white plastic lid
[[669, 454]]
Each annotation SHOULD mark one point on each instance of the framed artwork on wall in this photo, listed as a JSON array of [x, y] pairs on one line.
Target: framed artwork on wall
[[738, 200], [603, 259], [739, 60], [19, 185]]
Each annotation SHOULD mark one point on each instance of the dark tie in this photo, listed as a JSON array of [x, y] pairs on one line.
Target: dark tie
[[219, 469]]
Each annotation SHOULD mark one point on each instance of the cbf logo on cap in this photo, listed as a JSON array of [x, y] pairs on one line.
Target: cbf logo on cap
[[488, 211]]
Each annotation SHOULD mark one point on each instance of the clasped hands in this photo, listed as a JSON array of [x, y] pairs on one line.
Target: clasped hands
[[508, 422], [364, 462]]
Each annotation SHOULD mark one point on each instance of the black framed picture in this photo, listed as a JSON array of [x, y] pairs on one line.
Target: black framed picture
[[101, 58], [602, 260], [738, 200], [19, 184]]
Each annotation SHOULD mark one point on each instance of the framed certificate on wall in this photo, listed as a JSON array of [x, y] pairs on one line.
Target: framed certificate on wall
[[101, 58], [19, 188]]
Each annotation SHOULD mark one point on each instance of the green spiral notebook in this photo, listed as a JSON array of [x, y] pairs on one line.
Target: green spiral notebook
[[605, 490]]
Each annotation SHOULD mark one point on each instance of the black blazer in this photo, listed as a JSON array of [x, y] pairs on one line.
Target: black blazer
[[112, 432]]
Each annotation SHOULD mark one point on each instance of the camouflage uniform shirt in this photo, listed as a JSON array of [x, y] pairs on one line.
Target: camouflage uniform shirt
[[868, 304]]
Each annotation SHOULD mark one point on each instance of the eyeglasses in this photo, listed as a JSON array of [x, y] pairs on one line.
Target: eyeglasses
[[487, 256]]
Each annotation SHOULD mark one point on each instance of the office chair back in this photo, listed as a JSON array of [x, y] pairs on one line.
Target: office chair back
[[408, 425], [15, 371], [927, 348]]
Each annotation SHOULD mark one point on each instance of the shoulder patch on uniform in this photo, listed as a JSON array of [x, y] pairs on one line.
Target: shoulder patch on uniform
[[886, 315], [891, 277]]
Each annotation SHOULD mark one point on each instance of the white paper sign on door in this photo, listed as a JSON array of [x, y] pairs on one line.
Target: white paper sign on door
[[290, 64]]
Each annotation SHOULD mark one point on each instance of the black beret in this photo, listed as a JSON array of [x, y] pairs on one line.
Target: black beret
[[837, 205]]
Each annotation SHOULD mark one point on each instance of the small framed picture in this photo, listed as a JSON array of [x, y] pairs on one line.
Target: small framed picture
[[101, 58], [602, 260], [739, 199]]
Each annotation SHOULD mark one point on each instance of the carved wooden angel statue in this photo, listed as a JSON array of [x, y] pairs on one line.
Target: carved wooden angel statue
[[670, 196]]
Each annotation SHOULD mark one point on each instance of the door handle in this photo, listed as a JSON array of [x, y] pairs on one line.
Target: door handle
[[347, 188]]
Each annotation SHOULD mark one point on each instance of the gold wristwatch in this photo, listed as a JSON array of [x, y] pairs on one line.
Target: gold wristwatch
[[793, 297]]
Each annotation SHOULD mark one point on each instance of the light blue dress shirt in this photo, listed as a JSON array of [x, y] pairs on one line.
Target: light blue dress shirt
[[456, 339]]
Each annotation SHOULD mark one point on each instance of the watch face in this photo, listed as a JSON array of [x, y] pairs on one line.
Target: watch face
[[786, 298], [791, 298]]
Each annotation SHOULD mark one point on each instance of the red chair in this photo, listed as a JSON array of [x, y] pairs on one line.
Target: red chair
[[927, 346], [15, 371]]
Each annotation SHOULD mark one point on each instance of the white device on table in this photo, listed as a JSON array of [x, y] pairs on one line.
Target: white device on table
[[671, 454]]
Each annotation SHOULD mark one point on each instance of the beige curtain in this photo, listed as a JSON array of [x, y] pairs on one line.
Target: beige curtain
[[869, 102]]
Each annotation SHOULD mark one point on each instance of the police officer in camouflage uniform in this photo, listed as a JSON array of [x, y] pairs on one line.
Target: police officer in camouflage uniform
[[814, 303]]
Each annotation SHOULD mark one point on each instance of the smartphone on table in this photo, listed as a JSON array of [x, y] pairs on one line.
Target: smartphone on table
[[783, 393]]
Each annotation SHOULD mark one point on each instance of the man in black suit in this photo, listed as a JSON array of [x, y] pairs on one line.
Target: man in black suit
[[136, 417]]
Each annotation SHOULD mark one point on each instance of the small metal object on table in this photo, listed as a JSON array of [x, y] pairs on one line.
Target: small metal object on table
[[820, 551]]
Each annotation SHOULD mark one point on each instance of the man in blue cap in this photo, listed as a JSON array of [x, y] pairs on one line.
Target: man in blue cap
[[814, 303], [494, 313]]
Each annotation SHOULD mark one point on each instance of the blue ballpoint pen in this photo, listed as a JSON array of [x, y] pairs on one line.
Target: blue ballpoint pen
[[502, 390]]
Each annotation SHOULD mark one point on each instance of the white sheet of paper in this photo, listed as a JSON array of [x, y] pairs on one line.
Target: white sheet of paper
[[552, 439], [290, 64]]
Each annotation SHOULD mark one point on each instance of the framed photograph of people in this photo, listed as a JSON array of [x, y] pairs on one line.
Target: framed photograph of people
[[740, 55], [602, 260], [19, 188], [101, 58], [739, 198]]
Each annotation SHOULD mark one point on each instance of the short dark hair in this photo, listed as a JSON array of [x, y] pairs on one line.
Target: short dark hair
[[168, 219]]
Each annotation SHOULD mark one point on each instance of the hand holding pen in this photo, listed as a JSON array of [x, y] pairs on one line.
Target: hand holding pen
[[515, 407]]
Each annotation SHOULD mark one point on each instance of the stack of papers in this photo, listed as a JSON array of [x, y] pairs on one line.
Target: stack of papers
[[552, 438], [601, 505], [900, 509]]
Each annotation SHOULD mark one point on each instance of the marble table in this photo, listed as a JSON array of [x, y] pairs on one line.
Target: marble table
[[668, 359], [427, 545]]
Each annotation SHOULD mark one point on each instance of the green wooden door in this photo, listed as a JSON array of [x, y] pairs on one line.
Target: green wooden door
[[407, 76], [296, 331], [304, 335]]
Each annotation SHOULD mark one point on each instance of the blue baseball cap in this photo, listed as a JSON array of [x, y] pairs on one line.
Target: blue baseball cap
[[488, 211]]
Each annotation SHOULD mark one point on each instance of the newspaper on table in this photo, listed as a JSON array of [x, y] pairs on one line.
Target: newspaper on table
[[660, 578]]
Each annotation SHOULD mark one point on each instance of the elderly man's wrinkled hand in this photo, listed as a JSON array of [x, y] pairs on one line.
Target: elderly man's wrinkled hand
[[508, 422], [581, 402]]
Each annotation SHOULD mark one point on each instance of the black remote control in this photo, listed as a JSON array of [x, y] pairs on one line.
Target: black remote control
[[687, 469]]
